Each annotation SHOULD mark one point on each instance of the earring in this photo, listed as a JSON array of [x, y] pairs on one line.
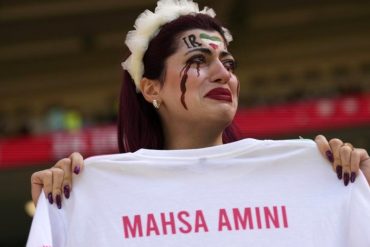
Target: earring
[[156, 104]]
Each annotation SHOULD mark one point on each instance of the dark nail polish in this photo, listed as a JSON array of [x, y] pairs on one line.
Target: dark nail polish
[[339, 170], [353, 177], [76, 170], [59, 201], [329, 154], [66, 191], [50, 198], [346, 178]]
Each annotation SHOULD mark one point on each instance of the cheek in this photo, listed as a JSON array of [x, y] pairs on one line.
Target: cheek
[[194, 76], [183, 80], [196, 81], [182, 84], [235, 85], [238, 88]]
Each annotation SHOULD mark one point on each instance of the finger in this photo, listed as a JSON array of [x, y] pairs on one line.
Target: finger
[[36, 187], [40, 180], [66, 164], [365, 163], [355, 164], [77, 162], [349, 144], [364, 157], [345, 157], [324, 147], [58, 175], [335, 145]]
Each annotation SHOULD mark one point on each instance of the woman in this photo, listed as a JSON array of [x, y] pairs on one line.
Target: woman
[[180, 92]]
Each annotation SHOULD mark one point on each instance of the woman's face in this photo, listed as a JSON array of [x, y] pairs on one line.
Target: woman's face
[[200, 85]]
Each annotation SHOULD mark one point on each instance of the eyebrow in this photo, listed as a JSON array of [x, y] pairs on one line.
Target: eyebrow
[[208, 51]]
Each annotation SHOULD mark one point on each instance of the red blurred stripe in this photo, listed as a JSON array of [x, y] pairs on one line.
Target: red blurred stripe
[[307, 116], [259, 122]]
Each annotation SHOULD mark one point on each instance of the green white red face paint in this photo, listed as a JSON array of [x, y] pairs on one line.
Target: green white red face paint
[[212, 41]]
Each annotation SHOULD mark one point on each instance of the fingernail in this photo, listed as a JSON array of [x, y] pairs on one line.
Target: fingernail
[[329, 154], [66, 191], [339, 170], [59, 201], [353, 177], [346, 178], [76, 170], [50, 198]]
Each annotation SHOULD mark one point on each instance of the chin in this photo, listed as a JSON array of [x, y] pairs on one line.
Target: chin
[[228, 111], [226, 117]]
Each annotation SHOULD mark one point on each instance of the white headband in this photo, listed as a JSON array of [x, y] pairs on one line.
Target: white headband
[[147, 26]]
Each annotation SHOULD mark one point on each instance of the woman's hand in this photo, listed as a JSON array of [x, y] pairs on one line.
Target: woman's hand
[[59, 176], [346, 159]]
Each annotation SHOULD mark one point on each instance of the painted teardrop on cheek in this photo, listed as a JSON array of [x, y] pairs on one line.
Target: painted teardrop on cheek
[[198, 69], [184, 78]]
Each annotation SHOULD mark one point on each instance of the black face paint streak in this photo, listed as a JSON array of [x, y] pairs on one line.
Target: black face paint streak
[[191, 41], [198, 69], [184, 78]]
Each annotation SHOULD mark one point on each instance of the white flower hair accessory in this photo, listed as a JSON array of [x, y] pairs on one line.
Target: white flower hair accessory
[[147, 26]]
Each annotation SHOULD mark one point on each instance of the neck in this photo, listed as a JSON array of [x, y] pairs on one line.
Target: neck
[[201, 138]]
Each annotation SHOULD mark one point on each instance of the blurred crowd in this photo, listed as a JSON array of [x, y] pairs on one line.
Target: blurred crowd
[[25, 122]]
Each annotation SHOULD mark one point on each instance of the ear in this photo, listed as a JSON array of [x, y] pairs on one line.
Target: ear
[[150, 89]]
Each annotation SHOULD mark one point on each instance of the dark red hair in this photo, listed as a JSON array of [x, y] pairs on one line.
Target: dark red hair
[[139, 124]]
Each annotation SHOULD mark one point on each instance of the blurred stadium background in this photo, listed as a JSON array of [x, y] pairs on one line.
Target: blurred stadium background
[[304, 67]]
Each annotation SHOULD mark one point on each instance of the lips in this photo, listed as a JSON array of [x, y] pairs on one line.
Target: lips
[[222, 94]]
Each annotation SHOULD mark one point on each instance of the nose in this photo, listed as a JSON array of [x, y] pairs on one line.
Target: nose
[[219, 74]]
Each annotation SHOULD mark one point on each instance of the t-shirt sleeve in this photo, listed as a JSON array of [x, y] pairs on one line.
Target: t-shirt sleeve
[[40, 233], [359, 214]]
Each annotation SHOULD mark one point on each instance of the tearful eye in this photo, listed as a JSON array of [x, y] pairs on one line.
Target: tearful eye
[[198, 59], [230, 65]]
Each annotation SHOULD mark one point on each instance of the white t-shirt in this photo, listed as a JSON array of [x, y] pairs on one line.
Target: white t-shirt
[[246, 193]]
